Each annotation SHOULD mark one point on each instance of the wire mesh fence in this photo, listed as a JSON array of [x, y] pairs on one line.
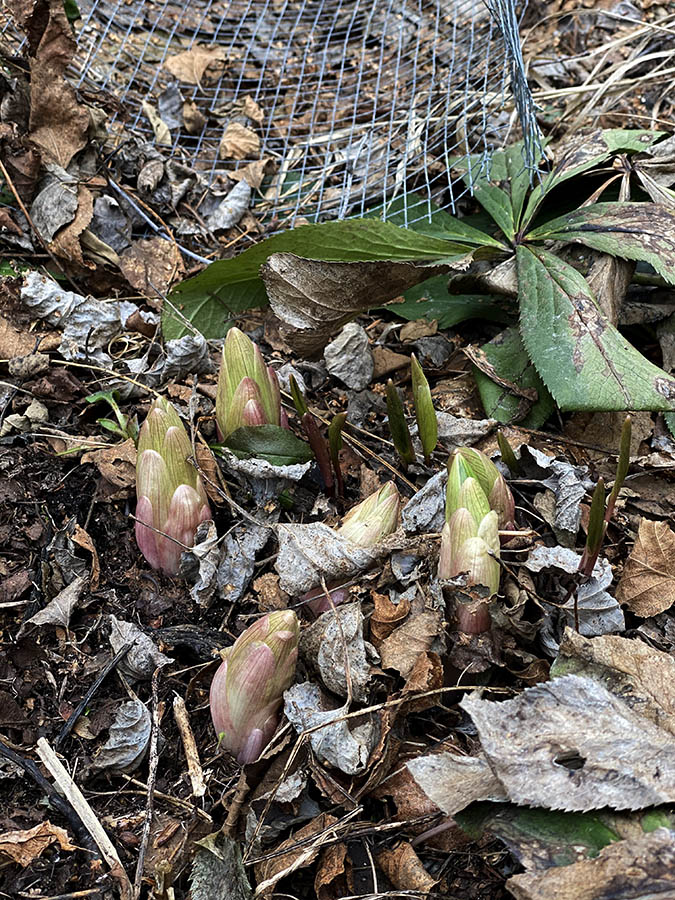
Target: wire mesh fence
[[342, 105]]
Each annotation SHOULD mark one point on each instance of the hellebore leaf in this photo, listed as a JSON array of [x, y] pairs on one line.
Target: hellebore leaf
[[583, 360], [641, 231], [210, 300]]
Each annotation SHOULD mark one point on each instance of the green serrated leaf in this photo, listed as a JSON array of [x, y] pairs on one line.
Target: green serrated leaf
[[227, 287], [278, 446], [579, 154], [642, 231], [511, 362], [431, 300], [584, 361]]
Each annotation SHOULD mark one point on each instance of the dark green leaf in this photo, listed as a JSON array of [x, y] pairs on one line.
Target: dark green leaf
[[510, 360], [539, 838], [578, 154], [584, 361], [278, 446], [431, 300], [642, 231], [210, 300], [416, 213], [500, 184]]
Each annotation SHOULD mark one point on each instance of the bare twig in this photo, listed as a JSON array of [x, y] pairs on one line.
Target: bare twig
[[152, 775], [77, 800], [84, 702], [195, 772]]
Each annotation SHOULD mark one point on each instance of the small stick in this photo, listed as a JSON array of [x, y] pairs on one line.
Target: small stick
[[55, 799], [195, 772], [152, 775], [77, 800], [240, 793], [84, 702]]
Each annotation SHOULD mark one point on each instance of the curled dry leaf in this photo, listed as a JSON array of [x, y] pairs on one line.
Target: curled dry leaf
[[128, 739], [191, 65], [239, 142], [555, 746], [415, 636], [143, 657], [117, 464], [404, 869], [334, 645], [59, 610], [309, 552], [314, 299], [647, 586], [24, 846], [643, 867], [338, 741]]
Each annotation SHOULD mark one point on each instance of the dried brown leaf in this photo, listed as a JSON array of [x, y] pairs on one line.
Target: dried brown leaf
[[152, 265], [402, 648], [66, 243], [314, 299], [647, 586], [117, 464], [297, 856], [403, 868], [238, 142], [58, 123], [642, 869], [23, 847], [191, 65]]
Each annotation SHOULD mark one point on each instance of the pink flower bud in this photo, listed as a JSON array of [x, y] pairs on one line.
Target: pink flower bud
[[374, 518], [171, 499], [247, 690], [248, 391]]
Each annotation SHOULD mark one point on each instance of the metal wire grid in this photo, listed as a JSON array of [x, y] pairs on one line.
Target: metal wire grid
[[362, 101]]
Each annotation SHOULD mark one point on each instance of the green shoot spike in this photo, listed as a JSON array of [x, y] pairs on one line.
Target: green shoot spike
[[399, 427], [596, 530], [508, 456], [621, 467], [298, 399], [424, 409]]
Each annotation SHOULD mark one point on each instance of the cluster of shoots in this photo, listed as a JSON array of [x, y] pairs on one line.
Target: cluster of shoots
[[425, 415], [600, 514], [247, 690], [171, 498], [248, 390], [479, 505]]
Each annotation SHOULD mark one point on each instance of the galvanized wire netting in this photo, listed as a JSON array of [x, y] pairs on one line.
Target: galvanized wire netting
[[361, 102]]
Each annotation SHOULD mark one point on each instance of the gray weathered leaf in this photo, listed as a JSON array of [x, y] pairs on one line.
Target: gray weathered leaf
[[571, 744], [217, 871], [309, 552], [143, 657], [339, 743], [452, 781], [59, 610], [128, 738], [598, 612], [334, 640]]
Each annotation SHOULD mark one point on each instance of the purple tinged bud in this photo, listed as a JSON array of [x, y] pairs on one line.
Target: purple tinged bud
[[171, 498], [374, 518], [247, 690], [244, 378]]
